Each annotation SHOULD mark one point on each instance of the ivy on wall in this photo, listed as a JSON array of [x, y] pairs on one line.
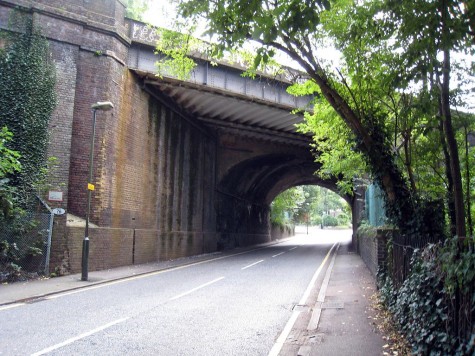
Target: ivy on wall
[[27, 99], [435, 306]]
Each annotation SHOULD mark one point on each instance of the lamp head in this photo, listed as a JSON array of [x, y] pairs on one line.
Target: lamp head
[[102, 105]]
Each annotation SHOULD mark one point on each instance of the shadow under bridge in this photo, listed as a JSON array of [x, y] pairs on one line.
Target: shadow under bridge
[[259, 152]]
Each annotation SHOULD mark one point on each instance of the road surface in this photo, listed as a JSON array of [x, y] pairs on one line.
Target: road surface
[[230, 305]]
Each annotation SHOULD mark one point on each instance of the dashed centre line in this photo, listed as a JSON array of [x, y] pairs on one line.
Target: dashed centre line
[[252, 264], [79, 337], [281, 253], [195, 289]]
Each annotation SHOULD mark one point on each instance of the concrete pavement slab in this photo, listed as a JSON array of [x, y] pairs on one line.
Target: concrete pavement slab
[[343, 313]]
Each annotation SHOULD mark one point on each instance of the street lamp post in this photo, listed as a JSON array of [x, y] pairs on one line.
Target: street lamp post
[[103, 106]]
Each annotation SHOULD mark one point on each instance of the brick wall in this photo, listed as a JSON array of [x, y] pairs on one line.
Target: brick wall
[[64, 57], [146, 246], [373, 248], [108, 248], [278, 232], [154, 170]]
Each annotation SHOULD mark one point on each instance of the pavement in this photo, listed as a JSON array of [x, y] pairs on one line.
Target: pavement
[[336, 318]]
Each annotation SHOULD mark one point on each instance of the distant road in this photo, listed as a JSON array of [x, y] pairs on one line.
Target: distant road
[[232, 305]]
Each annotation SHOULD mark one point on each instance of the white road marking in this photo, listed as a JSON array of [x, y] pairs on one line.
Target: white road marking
[[278, 254], [79, 337], [285, 333], [195, 289], [293, 318], [10, 306], [149, 274], [252, 264], [143, 275], [317, 309], [85, 289], [293, 248]]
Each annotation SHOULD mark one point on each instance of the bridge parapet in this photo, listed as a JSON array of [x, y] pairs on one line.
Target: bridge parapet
[[224, 77]]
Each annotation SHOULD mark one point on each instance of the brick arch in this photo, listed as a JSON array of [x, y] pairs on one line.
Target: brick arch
[[308, 178], [262, 178], [247, 189]]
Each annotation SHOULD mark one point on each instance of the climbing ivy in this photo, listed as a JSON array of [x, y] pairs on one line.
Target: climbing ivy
[[8, 164], [27, 99], [435, 305]]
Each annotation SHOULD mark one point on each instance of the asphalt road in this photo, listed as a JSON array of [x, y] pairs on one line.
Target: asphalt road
[[233, 305]]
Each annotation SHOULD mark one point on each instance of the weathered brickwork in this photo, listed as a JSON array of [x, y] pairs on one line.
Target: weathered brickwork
[[373, 249], [130, 174], [146, 246], [109, 248], [65, 59], [153, 171], [92, 85]]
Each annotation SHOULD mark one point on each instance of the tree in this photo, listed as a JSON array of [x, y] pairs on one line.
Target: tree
[[285, 204], [297, 28], [292, 27], [309, 203], [135, 9], [27, 99], [388, 63], [430, 45]]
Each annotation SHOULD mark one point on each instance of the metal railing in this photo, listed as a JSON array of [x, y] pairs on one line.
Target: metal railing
[[402, 251], [25, 243]]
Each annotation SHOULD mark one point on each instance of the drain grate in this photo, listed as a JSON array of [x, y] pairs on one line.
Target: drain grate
[[300, 307]]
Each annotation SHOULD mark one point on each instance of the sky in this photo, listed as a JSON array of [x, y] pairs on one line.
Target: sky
[[161, 13]]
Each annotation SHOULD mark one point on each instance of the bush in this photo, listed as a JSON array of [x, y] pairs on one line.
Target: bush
[[425, 306], [343, 219], [329, 220], [317, 220]]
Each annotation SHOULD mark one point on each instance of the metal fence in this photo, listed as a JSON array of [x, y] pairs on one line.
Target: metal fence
[[402, 251], [25, 243]]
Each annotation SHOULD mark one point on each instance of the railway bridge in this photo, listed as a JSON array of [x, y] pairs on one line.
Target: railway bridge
[[181, 167]]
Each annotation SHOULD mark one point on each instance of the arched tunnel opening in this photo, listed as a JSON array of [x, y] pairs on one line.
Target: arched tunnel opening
[[246, 192], [305, 208]]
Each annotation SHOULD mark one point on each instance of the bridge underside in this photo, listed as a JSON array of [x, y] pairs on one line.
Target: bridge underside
[[259, 154]]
